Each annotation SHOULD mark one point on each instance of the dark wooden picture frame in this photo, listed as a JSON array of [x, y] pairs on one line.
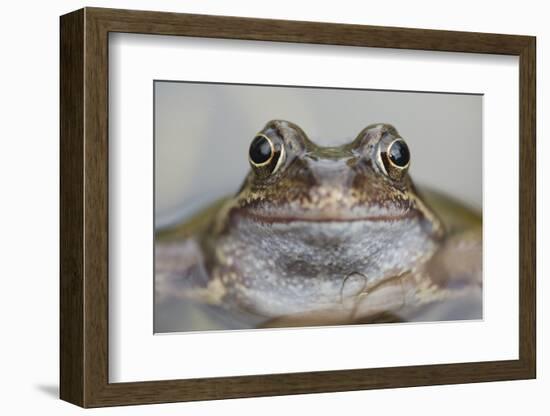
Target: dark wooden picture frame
[[84, 207]]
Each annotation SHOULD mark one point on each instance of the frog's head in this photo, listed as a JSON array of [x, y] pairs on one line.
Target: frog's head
[[293, 179], [307, 219]]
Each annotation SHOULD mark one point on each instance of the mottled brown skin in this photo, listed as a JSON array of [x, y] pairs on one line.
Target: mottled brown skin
[[322, 235], [330, 183]]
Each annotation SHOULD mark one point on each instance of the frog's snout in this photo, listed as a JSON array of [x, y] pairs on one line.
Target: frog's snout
[[330, 173]]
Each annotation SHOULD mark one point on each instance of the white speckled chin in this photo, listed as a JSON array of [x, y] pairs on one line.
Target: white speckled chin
[[299, 266]]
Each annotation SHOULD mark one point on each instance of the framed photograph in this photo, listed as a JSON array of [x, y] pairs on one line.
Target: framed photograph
[[255, 207]]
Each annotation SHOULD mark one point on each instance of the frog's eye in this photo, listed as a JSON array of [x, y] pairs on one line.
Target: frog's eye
[[265, 155], [261, 150], [394, 157], [398, 154]]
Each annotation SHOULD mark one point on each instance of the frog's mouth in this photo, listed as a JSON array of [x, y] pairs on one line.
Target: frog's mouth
[[276, 218]]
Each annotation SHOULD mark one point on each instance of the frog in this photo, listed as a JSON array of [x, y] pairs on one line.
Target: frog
[[324, 235]]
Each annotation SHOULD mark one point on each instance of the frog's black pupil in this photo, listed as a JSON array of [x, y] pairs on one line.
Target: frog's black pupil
[[260, 150], [399, 153]]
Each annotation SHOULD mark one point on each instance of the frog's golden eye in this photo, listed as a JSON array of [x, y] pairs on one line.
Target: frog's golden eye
[[398, 154], [395, 158], [265, 155], [261, 150]]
